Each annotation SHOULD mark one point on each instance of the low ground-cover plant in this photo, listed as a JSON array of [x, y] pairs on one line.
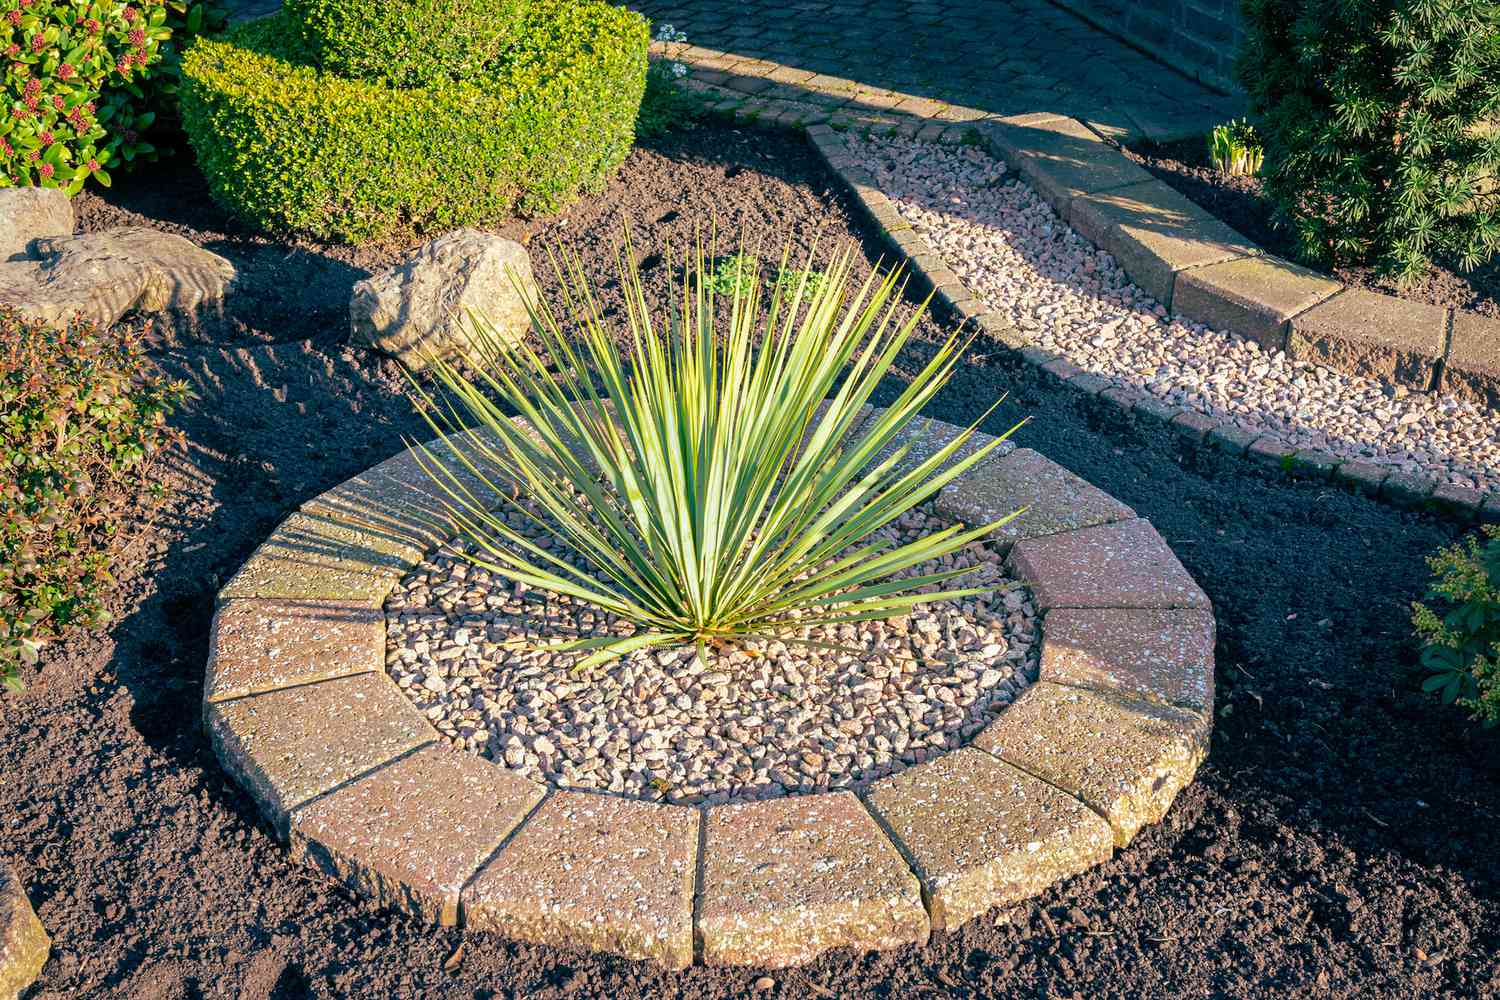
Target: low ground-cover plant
[[82, 425], [713, 495], [289, 146], [1461, 646], [665, 106], [1379, 120], [730, 269]]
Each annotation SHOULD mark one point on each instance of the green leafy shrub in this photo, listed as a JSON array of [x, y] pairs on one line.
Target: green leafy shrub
[[1379, 124], [71, 73], [153, 97], [287, 146], [1461, 648], [407, 43], [715, 495], [82, 426]]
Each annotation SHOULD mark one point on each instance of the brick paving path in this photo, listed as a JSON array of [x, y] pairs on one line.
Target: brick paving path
[[1002, 57]]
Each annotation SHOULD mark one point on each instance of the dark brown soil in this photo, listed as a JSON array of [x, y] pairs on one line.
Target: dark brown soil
[[1343, 839], [1239, 201]]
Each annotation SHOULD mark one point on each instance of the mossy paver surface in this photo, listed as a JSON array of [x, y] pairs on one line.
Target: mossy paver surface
[[301, 712], [258, 645], [1127, 759], [595, 871], [410, 834], [786, 879], [981, 833]]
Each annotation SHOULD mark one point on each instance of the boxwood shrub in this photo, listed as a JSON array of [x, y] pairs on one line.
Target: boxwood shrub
[[288, 146], [410, 43]]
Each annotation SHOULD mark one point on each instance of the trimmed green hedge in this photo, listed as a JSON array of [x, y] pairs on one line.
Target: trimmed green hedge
[[409, 42], [289, 147]]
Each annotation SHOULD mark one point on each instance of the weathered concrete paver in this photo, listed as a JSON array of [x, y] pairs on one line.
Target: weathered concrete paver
[[1054, 499], [1160, 655], [1253, 296], [1127, 759], [410, 834], [286, 746], [598, 872], [981, 833], [24, 945], [1121, 565], [787, 879], [258, 645], [1062, 159], [1155, 232], [1473, 368], [320, 556], [1377, 336]]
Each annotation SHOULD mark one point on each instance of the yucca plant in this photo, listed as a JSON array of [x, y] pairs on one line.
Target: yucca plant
[[709, 492]]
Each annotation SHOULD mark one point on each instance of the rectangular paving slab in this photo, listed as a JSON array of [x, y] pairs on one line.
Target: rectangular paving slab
[[1126, 758], [286, 746], [261, 645], [1159, 655], [787, 879], [1377, 336], [1121, 565], [1061, 158], [1053, 498], [1154, 232], [981, 833], [595, 872], [1473, 368], [410, 834], [1253, 297]]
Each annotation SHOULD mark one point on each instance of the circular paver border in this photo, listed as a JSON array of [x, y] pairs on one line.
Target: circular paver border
[[301, 712]]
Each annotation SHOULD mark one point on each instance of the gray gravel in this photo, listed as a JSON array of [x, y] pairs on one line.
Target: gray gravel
[[760, 720], [1009, 247]]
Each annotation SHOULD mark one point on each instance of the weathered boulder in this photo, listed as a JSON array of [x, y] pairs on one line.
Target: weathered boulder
[[27, 213], [421, 309], [102, 276], [24, 944]]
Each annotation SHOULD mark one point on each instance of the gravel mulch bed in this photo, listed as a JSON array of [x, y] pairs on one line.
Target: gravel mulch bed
[[1010, 247], [759, 719], [1342, 840], [1241, 202]]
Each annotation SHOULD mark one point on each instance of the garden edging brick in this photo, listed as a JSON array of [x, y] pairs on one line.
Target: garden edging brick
[[1248, 292], [302, 714]]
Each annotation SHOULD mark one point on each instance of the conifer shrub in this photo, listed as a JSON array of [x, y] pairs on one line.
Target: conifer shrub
[[1381, 122]]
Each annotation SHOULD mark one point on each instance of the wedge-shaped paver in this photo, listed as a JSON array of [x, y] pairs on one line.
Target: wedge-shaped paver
[[24, 945], [410, 834], [1126, 758], [787, 879], [1053, 498], [1473, 368], [1122, 565], [598, 872], [1377, 336], [1160, 655], [981, 833], [1061, 158], [286, 746], [321, 556], [1253, 297], [260, 645], [1154, 232]]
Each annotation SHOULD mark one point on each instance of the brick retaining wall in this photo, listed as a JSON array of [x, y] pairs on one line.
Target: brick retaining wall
[[1198, 37]]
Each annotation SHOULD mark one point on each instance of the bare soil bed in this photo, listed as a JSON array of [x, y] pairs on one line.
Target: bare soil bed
[[1241, 202], [1342, 840]]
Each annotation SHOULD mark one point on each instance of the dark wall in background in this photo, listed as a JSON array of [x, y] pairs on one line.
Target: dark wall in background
[[1199, 37]]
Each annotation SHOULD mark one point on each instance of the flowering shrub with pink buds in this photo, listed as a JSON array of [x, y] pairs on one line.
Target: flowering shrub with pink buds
[[70, 73]]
